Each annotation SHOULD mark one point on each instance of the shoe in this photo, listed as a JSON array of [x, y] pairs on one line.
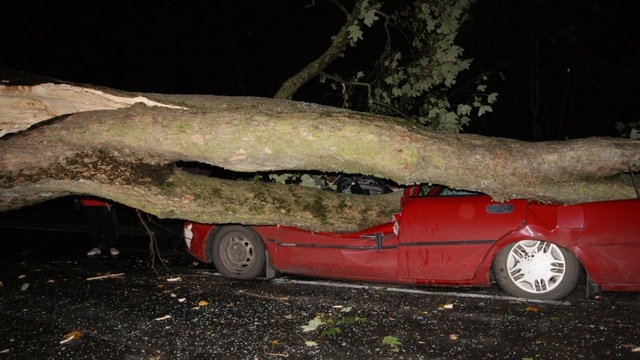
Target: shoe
[[114, 252], [94, 252]]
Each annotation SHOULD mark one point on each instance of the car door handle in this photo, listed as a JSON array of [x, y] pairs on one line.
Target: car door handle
[[499, 208]]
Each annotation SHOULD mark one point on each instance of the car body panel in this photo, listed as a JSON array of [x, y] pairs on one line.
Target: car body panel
[[452, 240], [446, 238]]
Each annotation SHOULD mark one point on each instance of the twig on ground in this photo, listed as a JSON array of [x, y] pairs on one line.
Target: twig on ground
[[104, 276], [280, 298]]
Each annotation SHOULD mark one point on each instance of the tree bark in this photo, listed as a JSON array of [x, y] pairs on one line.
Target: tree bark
[[128, 155]]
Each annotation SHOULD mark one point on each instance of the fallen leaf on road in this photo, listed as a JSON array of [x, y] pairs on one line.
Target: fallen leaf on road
[[531, 309], [174, 279], [203, 303], [453, 337], [22, 276], [24, 286], [313, 324], [391, 341], [75, 334]]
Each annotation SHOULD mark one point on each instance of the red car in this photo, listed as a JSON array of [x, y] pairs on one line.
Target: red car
[[446, 237]]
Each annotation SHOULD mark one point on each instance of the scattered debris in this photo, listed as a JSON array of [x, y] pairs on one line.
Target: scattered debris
[[284, 355], [312, 325], [163, 318], [75, 334], [281, 298], [174, 279], [104, 276]]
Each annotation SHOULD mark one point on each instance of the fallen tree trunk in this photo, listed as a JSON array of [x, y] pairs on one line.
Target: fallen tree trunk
[[127, 155]]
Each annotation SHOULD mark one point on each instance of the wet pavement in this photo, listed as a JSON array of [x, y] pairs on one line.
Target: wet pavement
[[55, 303]]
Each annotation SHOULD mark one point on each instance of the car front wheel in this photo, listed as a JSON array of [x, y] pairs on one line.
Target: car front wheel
[[537, 270], [238, 252]]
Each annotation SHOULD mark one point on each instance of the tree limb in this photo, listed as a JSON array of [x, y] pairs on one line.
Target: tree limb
[[128, 155], [310, 71]]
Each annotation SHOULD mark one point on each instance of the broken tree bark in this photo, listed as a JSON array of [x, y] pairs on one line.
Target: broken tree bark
[[127, 155]]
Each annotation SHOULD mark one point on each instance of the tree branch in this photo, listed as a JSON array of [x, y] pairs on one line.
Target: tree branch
[[310, 71]]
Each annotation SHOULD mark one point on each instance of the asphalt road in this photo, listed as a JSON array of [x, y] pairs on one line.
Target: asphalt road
[[55, 303]]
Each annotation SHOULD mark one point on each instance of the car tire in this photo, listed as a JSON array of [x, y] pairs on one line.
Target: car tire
[[238, 252], [536, 270]]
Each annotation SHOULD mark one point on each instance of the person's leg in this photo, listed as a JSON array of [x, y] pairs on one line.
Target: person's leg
[[106, 225], [108, 230], [92, 215]]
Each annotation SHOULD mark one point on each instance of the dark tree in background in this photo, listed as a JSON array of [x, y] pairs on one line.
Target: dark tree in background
[[570, 68]]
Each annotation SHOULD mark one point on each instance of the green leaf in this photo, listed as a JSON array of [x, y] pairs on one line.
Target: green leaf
[[331, 332], [348, 320], [369, 17], [391, 341], [355, 33], [464, 109], [483, 109], [492, 97]]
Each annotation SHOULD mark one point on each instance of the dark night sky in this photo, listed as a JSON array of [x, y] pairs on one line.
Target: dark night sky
[[249, 47], [222, 47]]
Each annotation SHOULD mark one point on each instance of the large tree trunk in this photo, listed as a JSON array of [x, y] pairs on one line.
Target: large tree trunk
[[127, 153]]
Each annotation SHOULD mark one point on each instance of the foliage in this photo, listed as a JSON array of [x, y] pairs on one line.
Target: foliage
[[416, 76], [629, 130], [331, 323], [392, 341]]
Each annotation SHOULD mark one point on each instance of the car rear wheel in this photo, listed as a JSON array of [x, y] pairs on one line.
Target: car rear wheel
[[238, 252], [537, 270]]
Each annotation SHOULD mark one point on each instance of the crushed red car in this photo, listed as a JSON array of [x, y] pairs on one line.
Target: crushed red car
[[451, 238]]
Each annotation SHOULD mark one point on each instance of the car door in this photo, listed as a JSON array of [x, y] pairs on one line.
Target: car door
[[370, 254], [444, 238]]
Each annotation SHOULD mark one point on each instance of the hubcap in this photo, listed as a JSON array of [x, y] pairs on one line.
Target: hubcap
[[237, 253], [536, 266]]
